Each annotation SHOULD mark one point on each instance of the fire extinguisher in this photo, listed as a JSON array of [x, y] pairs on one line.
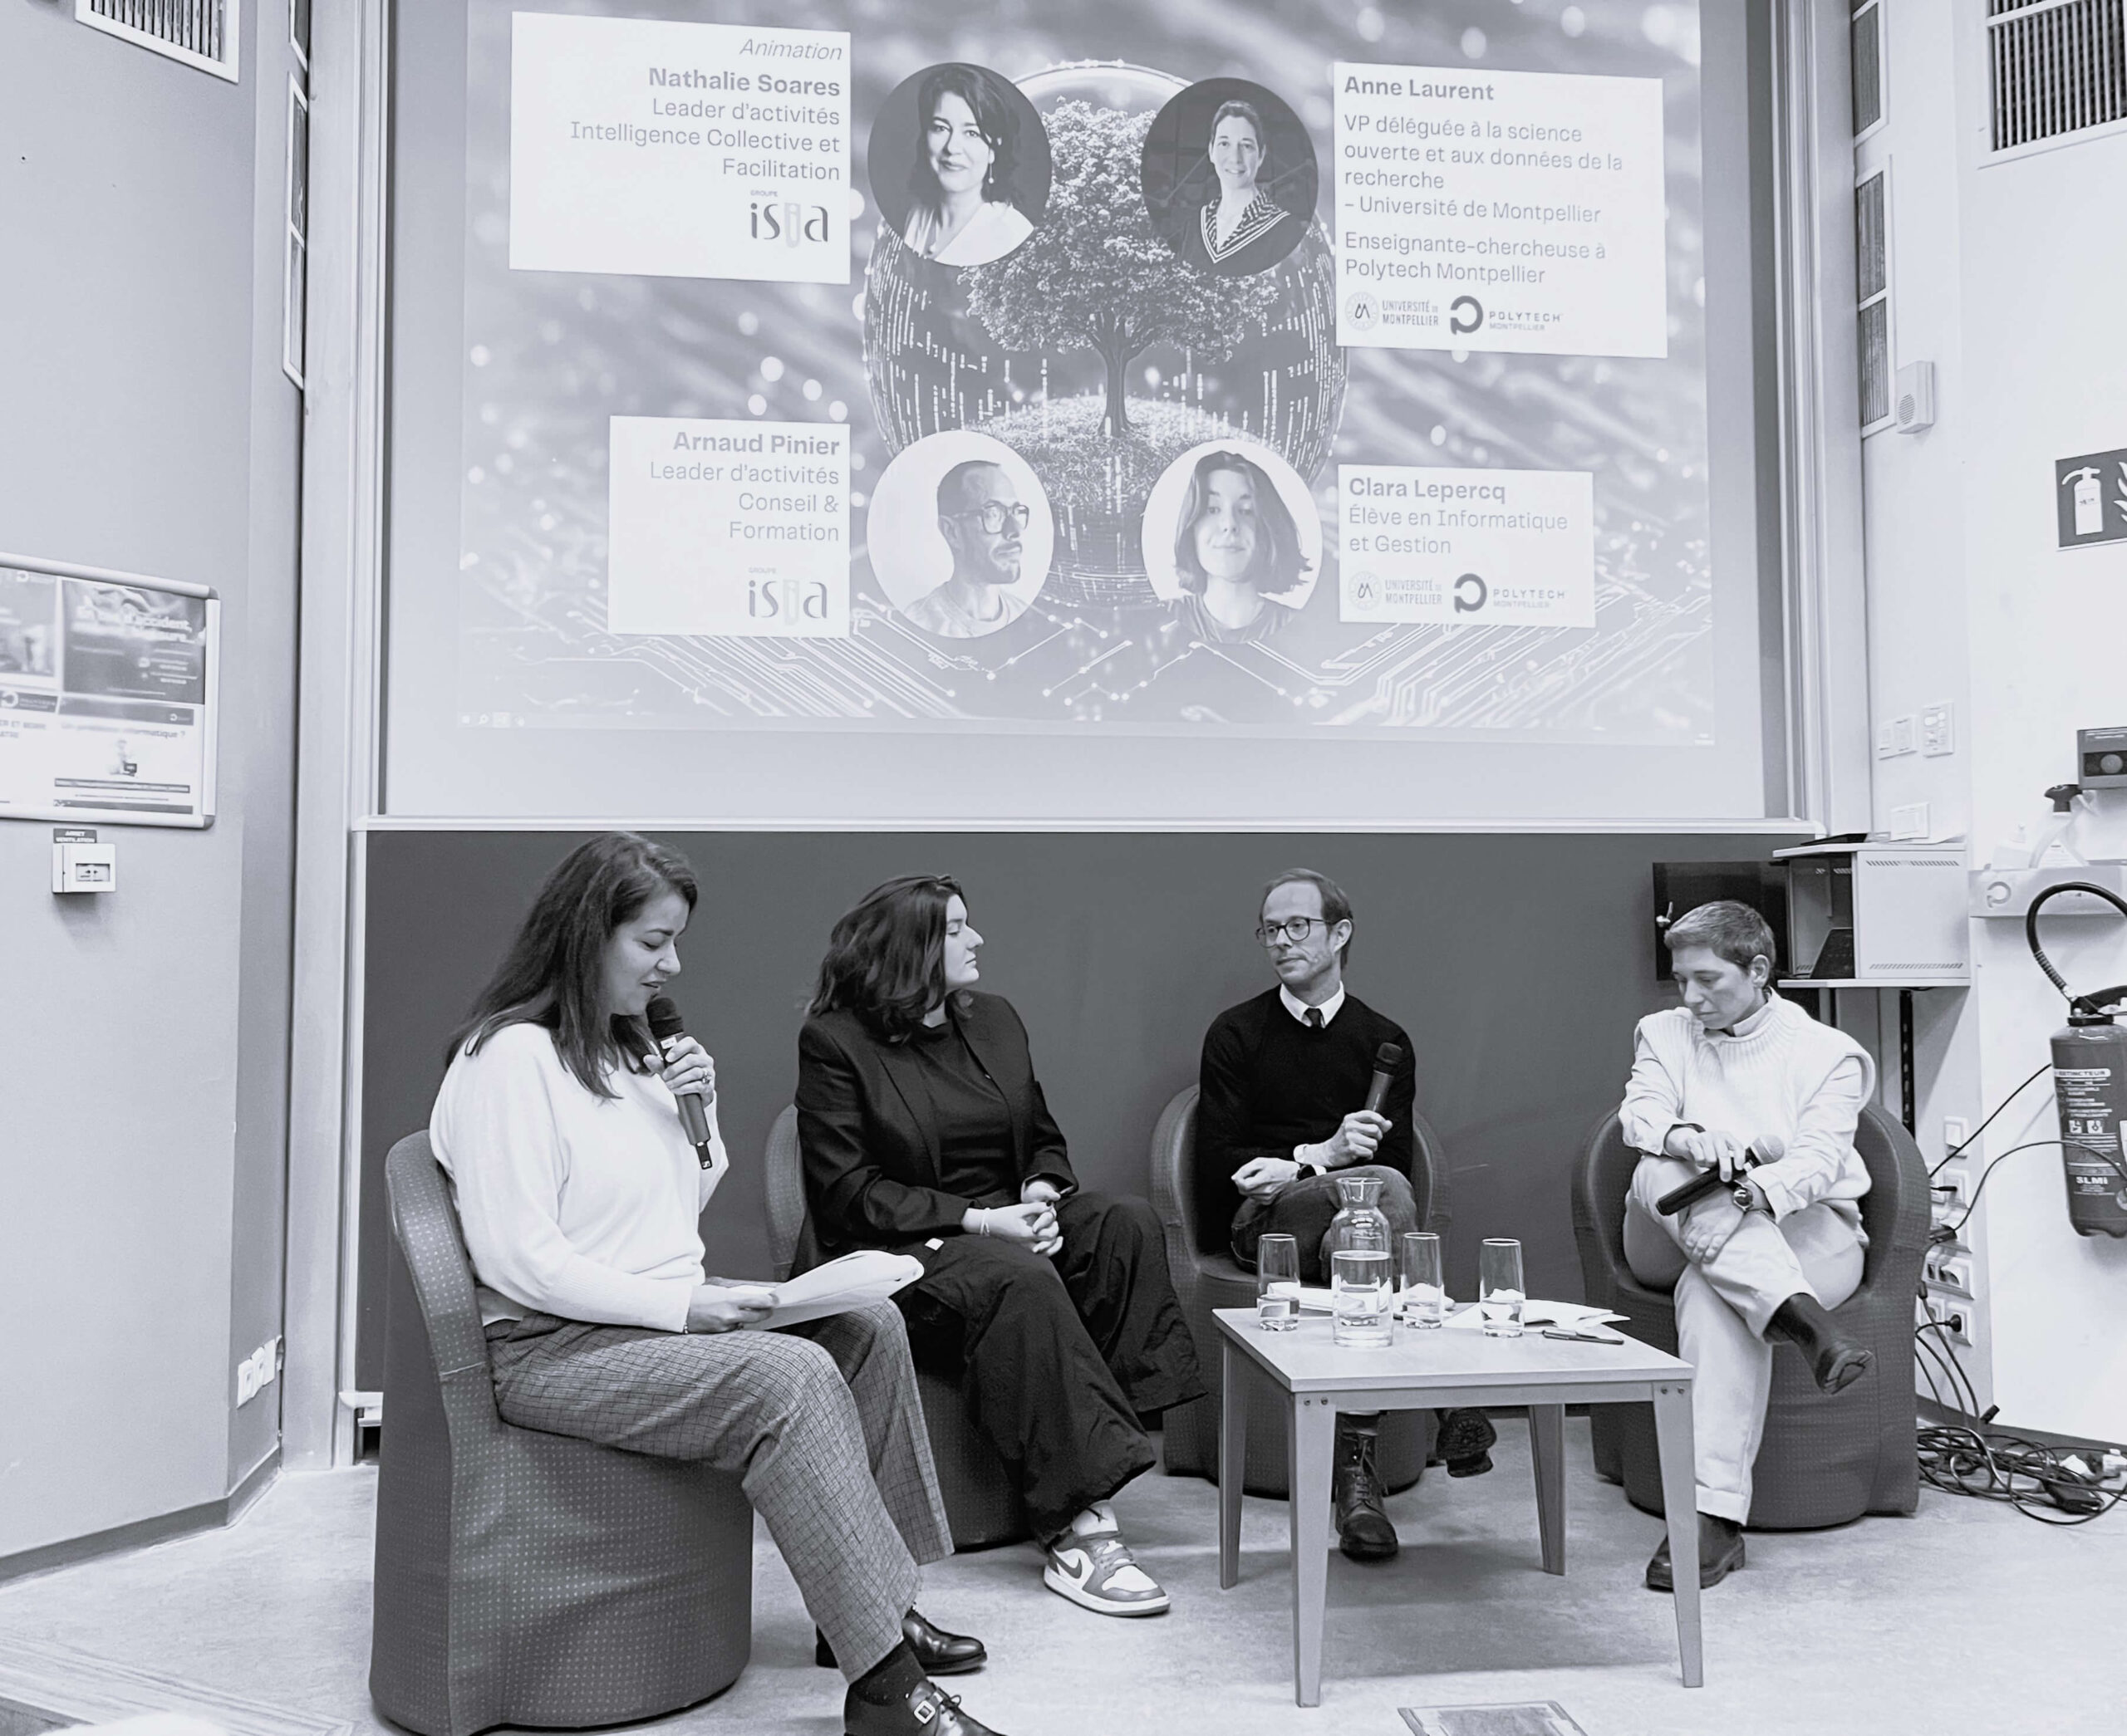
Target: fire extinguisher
[[2089, 1085]]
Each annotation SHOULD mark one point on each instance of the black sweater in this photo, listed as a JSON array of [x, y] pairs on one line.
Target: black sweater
[[1269, 1083]]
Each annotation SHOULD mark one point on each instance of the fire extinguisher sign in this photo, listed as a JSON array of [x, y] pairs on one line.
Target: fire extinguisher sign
[[2089, 497]]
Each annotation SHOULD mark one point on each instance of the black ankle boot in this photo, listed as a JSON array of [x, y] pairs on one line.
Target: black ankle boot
[[1364, 1531], [1720, 1553], [1835, 1359]]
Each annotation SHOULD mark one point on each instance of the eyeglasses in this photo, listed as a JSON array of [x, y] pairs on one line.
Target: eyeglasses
[[1294, 929], [994, 514]]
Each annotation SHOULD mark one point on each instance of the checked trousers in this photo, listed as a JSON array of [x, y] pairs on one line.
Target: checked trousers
[[820, 1422]]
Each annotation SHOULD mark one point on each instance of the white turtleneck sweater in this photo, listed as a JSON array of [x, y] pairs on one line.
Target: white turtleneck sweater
[[573, 1205], [1778, 1072]]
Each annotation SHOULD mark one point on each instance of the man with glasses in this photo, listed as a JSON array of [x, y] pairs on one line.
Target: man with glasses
[[1277, 1120], [984, 522]]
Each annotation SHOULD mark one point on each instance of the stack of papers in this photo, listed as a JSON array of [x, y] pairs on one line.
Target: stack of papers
[[1535, 1315], [854, 1281]]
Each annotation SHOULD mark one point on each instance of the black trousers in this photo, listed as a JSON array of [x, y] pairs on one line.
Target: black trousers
[[1059, 1358]]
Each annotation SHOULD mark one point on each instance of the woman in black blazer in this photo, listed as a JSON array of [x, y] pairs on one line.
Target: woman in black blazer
[[924, 1131]]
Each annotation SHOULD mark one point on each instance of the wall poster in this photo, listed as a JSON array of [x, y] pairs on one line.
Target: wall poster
[[108, 691]]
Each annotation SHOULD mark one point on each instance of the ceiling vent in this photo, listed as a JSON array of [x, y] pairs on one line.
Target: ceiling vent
[[2058, 69], [202, 33]]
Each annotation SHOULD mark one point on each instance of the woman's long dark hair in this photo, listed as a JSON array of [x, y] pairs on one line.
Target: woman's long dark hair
[[886, 959], [1279, 564], [995, 118], [553, 974]]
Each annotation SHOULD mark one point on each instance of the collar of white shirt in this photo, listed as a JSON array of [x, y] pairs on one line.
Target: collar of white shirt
[[1298, 1007]]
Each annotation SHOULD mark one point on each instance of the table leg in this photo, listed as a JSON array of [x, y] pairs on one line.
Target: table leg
[[1233, 1462], [1672, 1434], [1547, 1451], [1311, 1430]]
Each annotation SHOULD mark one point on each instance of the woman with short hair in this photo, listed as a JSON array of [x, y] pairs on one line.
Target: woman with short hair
[[963, 182], [924, 1131], [581, 1199], [1237, 549], [1740, 1082]]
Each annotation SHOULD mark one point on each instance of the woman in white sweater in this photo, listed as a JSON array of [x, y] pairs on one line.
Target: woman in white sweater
[[581, 1197], [1736, 1076]]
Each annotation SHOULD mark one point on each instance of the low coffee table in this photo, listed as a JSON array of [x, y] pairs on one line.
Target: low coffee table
[[1447, 1369]]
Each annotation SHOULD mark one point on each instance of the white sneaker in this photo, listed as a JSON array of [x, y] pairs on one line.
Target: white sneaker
[[1095, 1570]]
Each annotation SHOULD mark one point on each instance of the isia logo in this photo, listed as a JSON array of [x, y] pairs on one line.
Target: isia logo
[[787, 221], [789, 599]]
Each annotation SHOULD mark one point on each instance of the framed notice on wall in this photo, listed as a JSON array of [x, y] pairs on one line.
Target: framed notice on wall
[[109, 686]]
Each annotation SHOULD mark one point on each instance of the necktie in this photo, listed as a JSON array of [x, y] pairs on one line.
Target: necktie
[[1314, 1018]]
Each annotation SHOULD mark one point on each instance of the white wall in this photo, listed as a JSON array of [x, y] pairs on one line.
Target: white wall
[[145, 424], [2008, 276]]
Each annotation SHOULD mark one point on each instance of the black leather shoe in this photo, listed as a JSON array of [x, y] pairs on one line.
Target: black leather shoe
[[1720, 1553], [939, 1652], [1835, 1359], [1464, 1443], [1364, 1531], [926, 1709]]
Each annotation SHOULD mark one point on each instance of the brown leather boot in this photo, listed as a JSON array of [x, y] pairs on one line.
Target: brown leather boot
[[1835, 1359], [1364, 1531]]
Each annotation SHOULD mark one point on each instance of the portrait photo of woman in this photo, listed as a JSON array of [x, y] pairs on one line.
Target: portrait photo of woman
[[1229, 177], [959, 165], [1243, 562]]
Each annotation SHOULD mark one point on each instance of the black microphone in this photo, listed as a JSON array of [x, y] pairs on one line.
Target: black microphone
[[1386, 1059], [1767, 1148], [665, 1024]]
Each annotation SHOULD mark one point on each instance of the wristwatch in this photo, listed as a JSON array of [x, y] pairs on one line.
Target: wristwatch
[[1748, 1199]]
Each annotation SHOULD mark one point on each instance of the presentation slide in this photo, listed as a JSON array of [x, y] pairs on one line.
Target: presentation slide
[[1317, 384]]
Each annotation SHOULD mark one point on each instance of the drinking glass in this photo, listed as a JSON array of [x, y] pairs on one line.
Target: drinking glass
[[1359, 1285], [1418, 1279], [1499, 1294], [1277, 1283]]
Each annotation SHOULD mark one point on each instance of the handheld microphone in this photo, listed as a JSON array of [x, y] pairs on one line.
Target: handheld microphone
[[665, 1024], [1767, 1148], [1386, 1059]]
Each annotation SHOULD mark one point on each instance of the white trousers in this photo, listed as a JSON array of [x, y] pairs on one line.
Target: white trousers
[[1722, 1305]]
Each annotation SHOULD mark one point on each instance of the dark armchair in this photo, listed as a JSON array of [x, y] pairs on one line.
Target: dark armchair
[[982, 1499], [522, 1578], [1825, 1459], [1206, 1276]]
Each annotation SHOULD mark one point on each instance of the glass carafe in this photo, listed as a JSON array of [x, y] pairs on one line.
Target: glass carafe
[[1356, 1251], [1359, 1227]]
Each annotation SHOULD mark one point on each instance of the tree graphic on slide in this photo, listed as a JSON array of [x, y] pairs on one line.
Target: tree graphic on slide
[[1095, 275]]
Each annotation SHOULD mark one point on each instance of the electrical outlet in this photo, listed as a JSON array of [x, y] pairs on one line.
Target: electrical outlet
[[1953, 1316], [1939, 731], [1951, 1193], [258, 1371]]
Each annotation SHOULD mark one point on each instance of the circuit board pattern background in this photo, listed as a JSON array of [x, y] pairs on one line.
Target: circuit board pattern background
[[549, 357]]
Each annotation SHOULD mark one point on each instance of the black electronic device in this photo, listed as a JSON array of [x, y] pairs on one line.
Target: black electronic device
[[1768, 1148], [665, 1024], [1386, 1059]]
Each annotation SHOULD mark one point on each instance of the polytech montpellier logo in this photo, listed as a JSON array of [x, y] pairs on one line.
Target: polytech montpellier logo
[[775, 218], [1362, 312], [1464, 314], [1471, 594]]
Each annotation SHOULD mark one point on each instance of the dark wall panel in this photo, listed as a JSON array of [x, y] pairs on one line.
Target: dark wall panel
[[1518, 962]]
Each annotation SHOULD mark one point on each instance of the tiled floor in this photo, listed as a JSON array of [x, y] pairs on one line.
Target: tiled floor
[[1964, 1618]]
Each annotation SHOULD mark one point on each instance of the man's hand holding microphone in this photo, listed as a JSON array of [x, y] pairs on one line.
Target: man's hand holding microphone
[[1358, 1137]]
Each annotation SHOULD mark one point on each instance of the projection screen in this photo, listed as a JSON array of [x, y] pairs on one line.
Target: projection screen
[[1195, 412]]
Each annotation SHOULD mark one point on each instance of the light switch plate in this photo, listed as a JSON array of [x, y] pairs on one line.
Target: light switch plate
[[1910, 822], [1939, 731]]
